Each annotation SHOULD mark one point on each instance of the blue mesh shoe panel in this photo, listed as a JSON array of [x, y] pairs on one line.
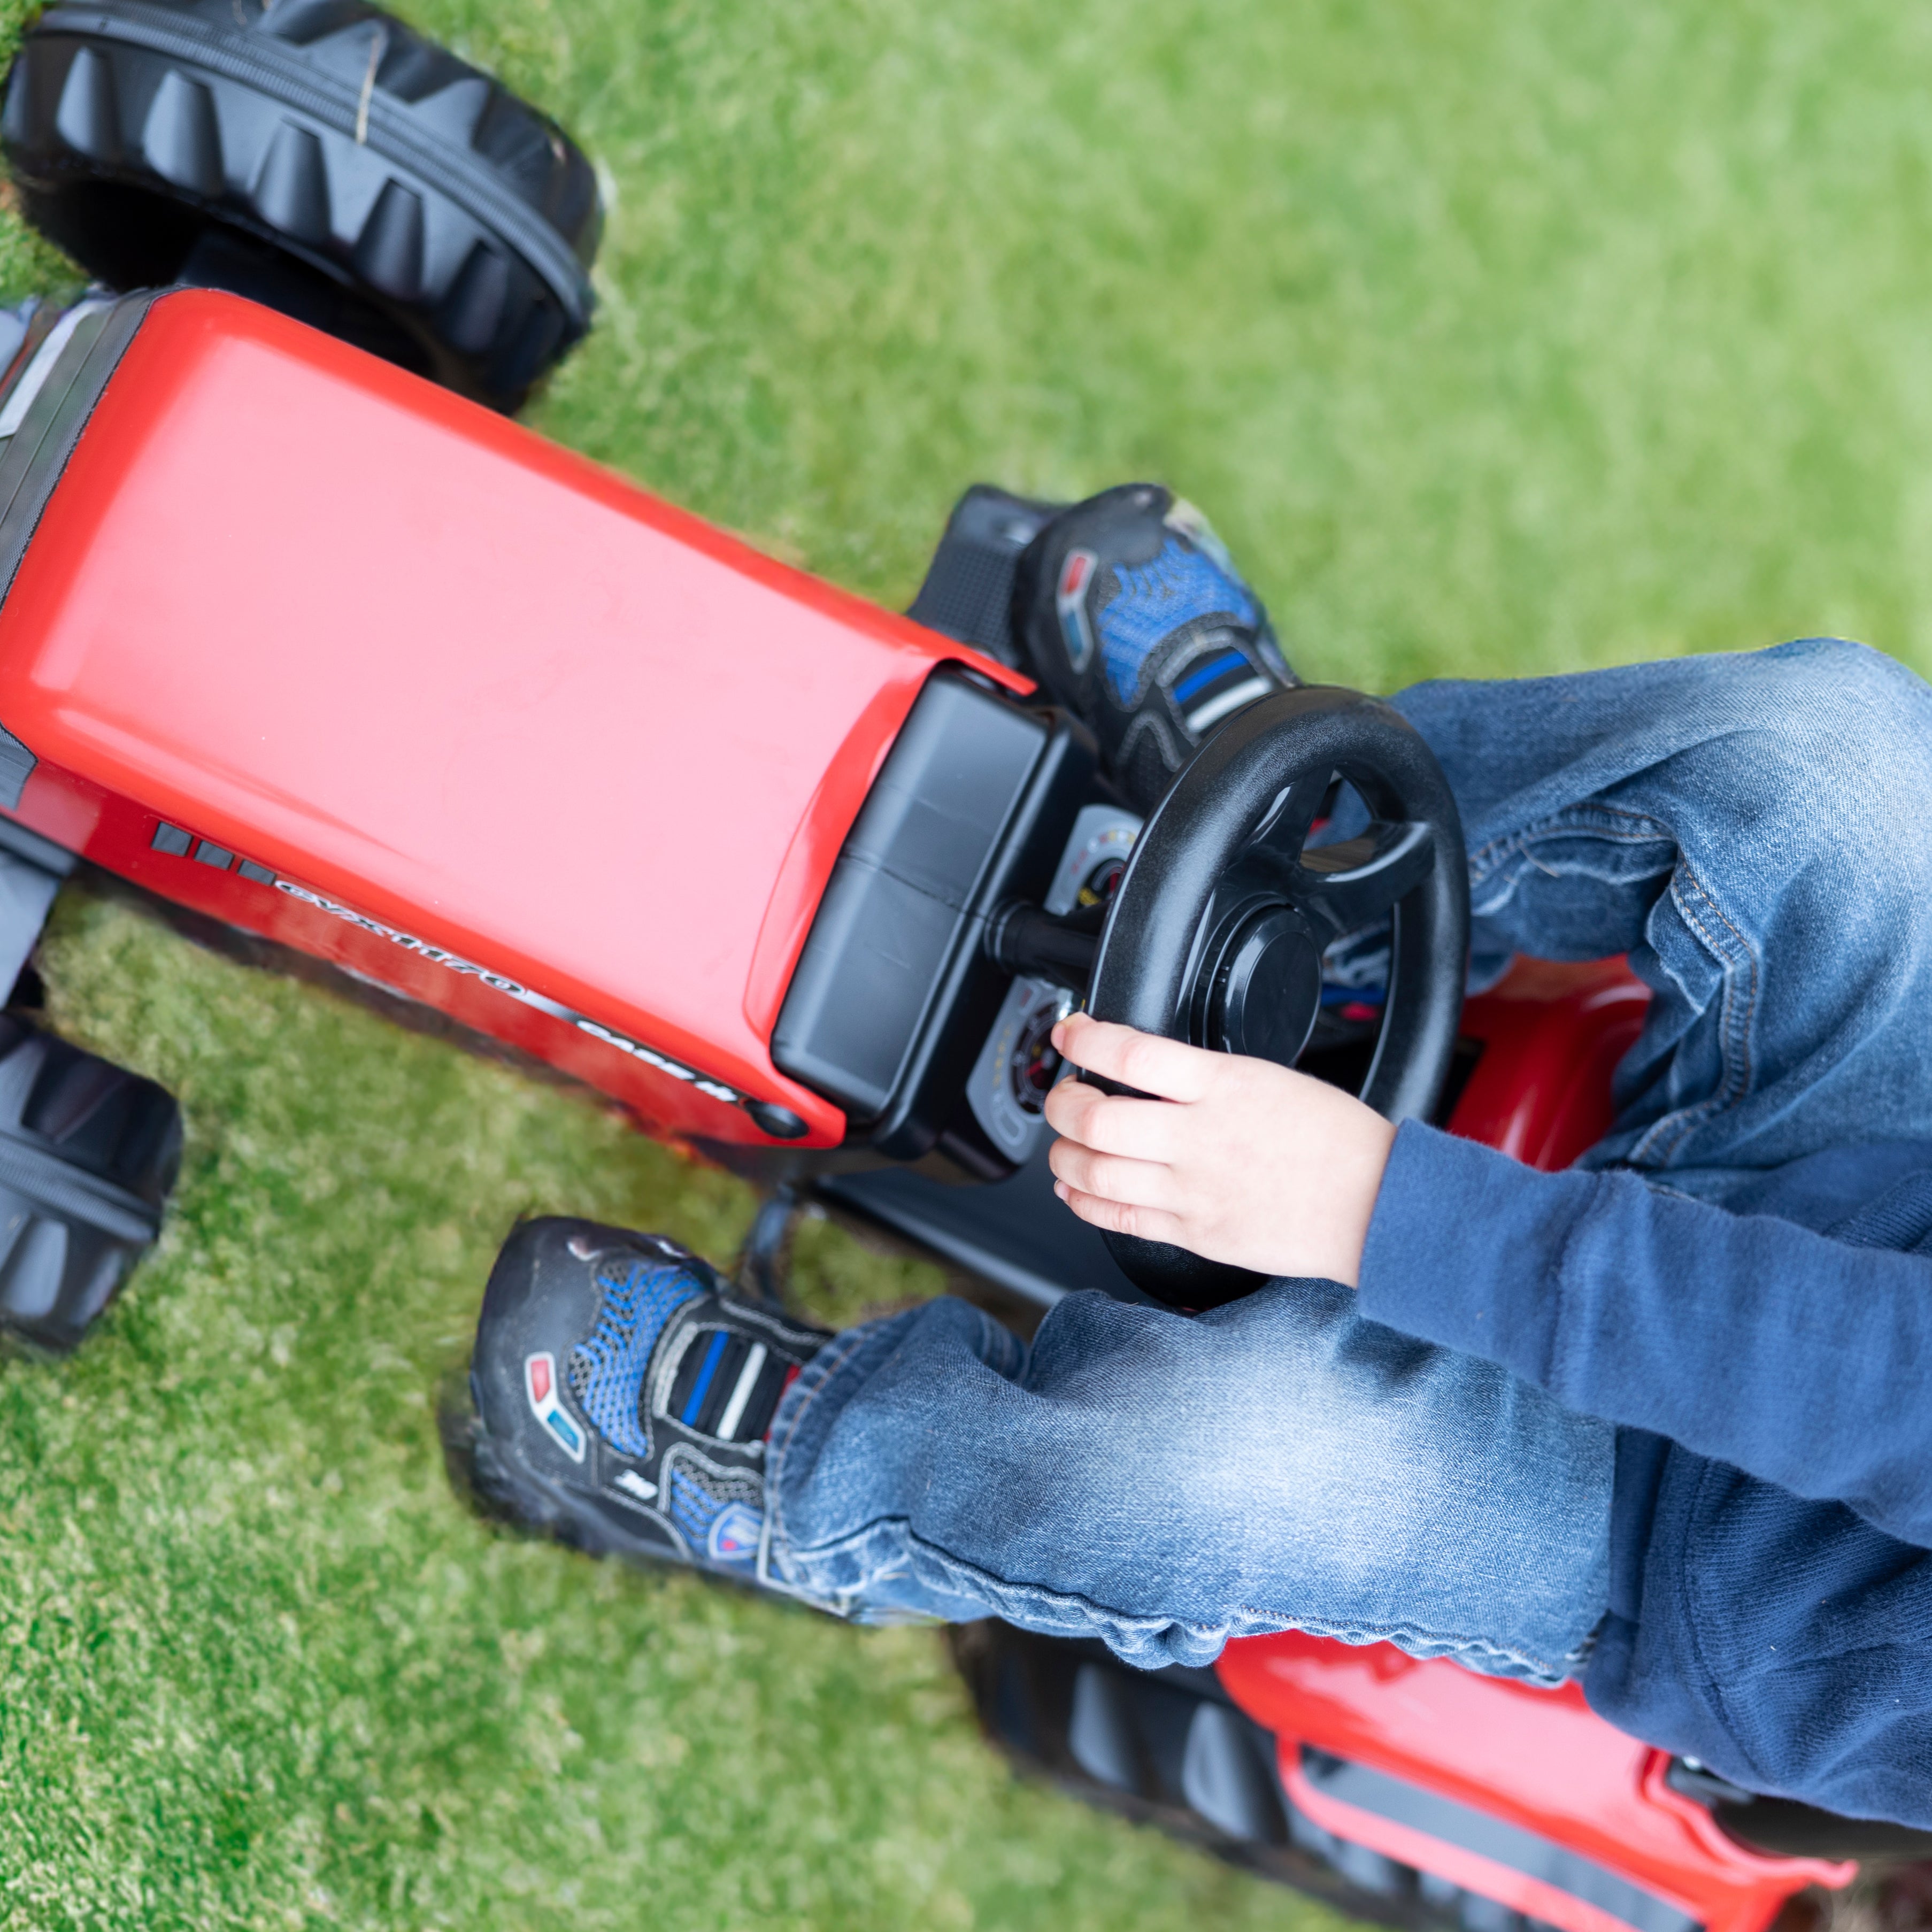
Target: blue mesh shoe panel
[[692, 1504], [720, 1511], [607, 1368], [1178, 587]]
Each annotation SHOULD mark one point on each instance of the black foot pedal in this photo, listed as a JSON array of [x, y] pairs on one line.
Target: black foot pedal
[[968, 591], [765, 1260]]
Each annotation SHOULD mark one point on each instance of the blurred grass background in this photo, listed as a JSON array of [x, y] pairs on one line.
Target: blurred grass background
[[1494, 338]]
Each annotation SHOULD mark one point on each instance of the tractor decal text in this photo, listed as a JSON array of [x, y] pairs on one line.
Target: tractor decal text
[[452, 962]]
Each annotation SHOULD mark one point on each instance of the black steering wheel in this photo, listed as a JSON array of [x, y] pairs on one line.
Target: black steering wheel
[[1216, 932]]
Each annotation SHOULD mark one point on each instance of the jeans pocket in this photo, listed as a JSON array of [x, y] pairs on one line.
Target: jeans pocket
[[1578, 886]]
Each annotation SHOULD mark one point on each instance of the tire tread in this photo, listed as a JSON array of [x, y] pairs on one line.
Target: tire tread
[[336, 133]]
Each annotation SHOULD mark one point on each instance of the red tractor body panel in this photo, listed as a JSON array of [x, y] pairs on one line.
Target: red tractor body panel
[[442, 677], [1540, 1761]]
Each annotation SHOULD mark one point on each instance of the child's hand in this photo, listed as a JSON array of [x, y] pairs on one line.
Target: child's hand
[[1240, 1160]]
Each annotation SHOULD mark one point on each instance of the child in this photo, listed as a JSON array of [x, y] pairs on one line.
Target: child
[[1662, 1422]]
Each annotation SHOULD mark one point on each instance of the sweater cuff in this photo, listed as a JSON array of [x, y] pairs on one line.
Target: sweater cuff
[[1465, 1247]]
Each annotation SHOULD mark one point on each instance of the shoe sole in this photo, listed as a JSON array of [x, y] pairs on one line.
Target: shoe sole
[[505, 1492]]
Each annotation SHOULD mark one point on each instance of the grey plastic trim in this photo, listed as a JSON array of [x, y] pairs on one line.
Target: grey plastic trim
[[35, 457], [30, 846], [1472, 1831], [26, 891], [16, 767], [41, 363]]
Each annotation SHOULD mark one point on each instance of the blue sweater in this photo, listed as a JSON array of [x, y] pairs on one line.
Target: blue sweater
[[1770, 1366]]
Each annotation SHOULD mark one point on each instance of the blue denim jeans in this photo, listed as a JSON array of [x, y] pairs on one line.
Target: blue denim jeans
[[1166, 1483]]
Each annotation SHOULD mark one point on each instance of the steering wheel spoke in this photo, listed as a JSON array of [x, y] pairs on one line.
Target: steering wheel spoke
[[1284, 830], [1357, 881]]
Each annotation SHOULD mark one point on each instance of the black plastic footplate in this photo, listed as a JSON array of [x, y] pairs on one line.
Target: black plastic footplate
[[1015, 1233], [968, 591], [89, 1153]]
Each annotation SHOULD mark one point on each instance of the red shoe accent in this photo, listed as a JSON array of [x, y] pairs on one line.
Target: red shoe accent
[[791, 1376]]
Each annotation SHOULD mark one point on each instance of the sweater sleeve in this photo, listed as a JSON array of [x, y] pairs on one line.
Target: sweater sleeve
[[1748, 1340]]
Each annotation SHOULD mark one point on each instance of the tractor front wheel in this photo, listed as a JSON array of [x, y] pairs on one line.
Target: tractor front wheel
[[318, 156]]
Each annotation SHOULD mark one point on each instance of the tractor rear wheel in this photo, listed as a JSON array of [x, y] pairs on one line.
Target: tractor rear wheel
[[318, 156], [88, 1154]]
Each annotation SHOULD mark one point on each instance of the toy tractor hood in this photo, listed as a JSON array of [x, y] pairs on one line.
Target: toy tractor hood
[[376, 655]]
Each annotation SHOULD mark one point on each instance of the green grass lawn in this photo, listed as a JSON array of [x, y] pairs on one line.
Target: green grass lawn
[[1520, 337]]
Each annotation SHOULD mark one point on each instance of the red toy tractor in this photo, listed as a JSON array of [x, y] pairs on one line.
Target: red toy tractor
[[802, 883]]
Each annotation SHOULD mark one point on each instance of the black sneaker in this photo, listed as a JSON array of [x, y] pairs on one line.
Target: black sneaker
[[1132, 615], [623, 1395]]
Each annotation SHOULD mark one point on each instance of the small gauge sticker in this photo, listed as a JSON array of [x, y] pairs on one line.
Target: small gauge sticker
[[1095, 855], [1017, 1066]]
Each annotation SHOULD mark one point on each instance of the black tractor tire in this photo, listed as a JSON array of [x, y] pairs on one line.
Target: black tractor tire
[[89, 1153], [318, 156]]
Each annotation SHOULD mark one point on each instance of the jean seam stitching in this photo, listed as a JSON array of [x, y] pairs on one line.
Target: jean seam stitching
[[1737, 1011], [1250, 1620]]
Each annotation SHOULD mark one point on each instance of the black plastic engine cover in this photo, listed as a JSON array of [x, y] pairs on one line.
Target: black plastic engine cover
[[895, 990], [899, 903]]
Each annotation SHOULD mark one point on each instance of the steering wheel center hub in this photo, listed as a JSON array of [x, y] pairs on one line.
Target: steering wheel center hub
[[1264, 989]]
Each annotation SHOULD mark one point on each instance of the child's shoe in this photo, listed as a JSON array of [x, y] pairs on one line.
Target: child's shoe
[[623, 1395], [1132, 615]]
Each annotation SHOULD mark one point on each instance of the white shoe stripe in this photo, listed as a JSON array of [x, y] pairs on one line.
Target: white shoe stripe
[[748, 1380], [1218, 706]]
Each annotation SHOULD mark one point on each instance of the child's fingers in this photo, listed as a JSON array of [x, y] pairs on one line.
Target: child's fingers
[[1166, 1067], [1144, 1129], [1140, 1184], [1149, 1224]]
